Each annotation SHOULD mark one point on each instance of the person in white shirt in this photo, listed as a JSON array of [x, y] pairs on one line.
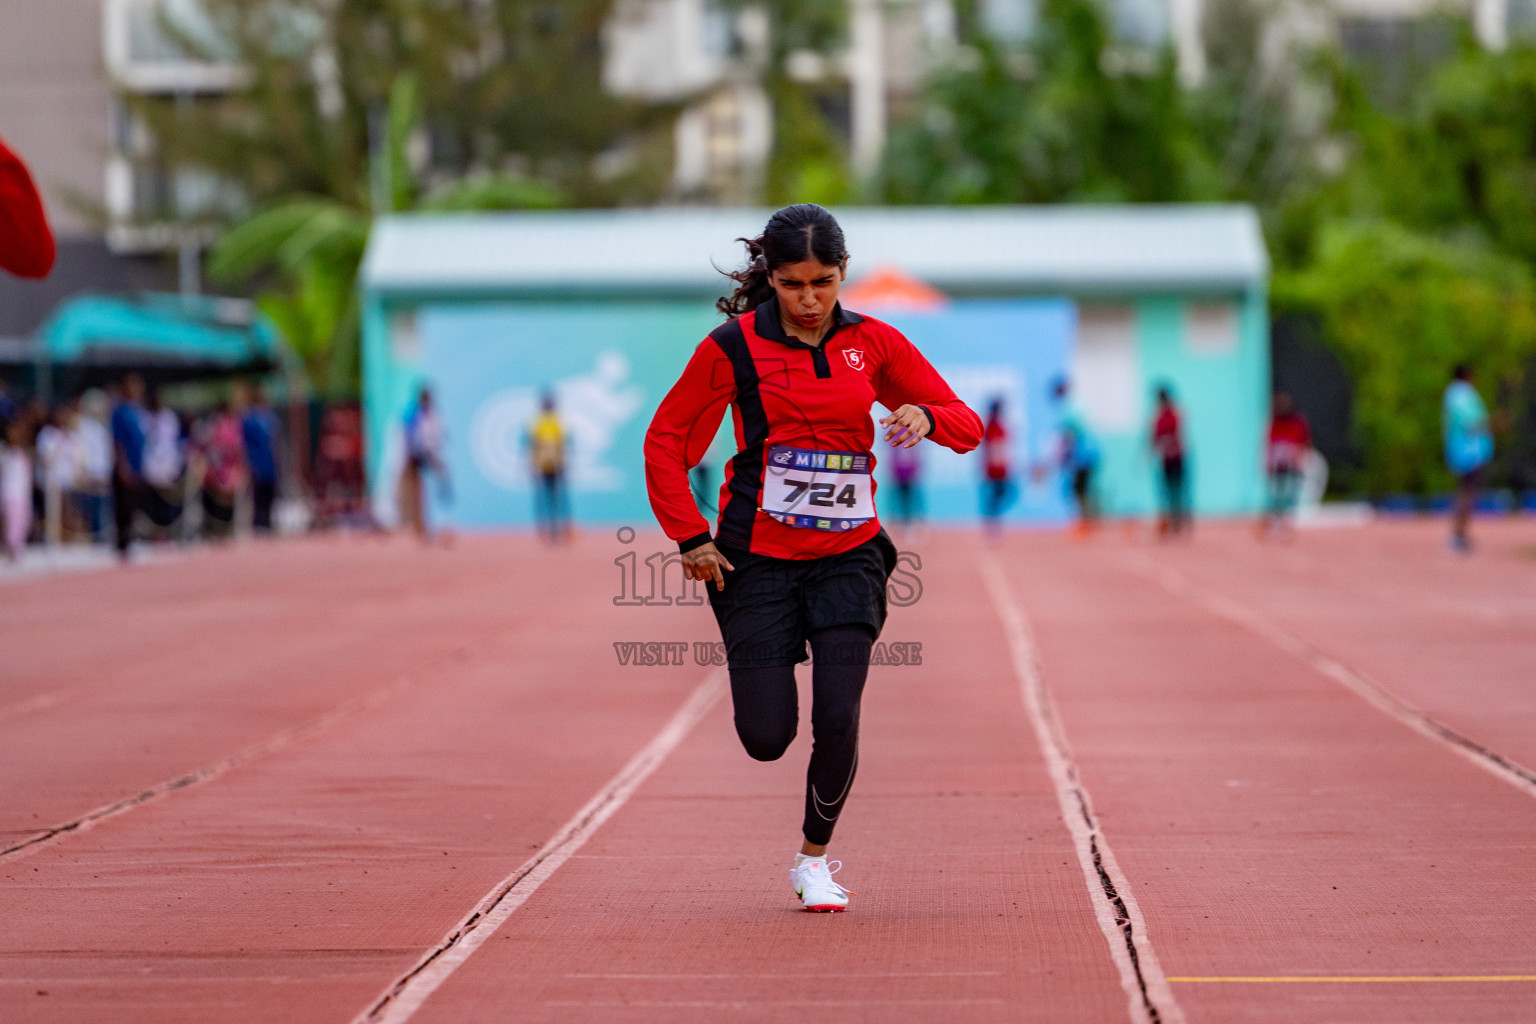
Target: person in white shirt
[[56, 470], [93, 455], [424, 439], [164, 455], [16, 488]]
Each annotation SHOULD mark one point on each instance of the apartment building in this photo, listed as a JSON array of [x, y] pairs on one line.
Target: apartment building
[[111, 200]]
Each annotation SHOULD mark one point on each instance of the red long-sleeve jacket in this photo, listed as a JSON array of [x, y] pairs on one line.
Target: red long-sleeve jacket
[[788, 400], [26, 243]]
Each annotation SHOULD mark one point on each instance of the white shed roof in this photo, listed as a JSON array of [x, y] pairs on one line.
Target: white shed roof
[[1000, 249]]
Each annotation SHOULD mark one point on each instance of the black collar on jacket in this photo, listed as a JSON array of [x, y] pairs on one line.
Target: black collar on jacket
[[766, 323]]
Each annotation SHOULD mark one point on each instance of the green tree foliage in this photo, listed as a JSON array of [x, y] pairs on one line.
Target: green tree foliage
[[503, 86], [1462, 158], [1402, 308], [1402, 219], [809, 159], [353, 108], [1261, 114], [1420, 253], [310, 251], [1050, 120]]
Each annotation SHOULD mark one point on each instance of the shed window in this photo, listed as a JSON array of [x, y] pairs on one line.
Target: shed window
[[1210, 328], [1106, 373]]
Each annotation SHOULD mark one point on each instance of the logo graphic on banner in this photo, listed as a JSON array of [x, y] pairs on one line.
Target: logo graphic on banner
[[592, 406]]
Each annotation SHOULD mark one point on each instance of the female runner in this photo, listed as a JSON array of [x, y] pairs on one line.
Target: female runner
[[799, 554]]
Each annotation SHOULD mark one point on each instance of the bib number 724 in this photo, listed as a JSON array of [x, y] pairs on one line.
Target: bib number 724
[[821, 494]]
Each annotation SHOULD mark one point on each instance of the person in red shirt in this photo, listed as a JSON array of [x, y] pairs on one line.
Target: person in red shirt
[[26, 243], [997, 485], [1168, 446], [1290, 438], [798, 554]]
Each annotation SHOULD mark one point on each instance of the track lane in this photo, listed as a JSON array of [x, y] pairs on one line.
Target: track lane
[[970, 902], [1111, 894], [1356, 596], [1273, 824], [244, 648], [310, 878], [296, 887]]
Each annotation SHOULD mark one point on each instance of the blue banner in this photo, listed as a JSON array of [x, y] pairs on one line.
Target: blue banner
[[609, 364]]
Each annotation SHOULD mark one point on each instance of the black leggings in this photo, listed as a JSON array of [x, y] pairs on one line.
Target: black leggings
[[768, 715]]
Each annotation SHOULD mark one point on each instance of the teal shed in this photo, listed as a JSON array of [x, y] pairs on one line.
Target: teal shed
[[1123, 298]]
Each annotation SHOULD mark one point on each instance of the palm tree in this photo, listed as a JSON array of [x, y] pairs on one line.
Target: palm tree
[[309, 248]]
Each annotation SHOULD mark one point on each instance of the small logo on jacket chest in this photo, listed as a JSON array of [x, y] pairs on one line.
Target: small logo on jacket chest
[[855, 357]]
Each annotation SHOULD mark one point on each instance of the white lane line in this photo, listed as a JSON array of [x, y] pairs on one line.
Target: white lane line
[[400, 1001], [1357, 682], [1146, 987]]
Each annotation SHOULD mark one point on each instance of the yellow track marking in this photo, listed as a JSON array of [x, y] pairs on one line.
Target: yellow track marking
[[1370, 978]]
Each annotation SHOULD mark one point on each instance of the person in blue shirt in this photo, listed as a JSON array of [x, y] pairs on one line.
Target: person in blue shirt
[[128, 435], [1077, 454], [1468, 449], [258, 430]]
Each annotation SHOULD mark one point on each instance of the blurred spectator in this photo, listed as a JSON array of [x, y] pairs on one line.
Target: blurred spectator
[[546, 452], [339, 484], [164, 455], [907, 471], [1077, 454], [223, 454], [997, 486], [35, 416], [1168, 446], [258, 430], [16, 486], [423, 455], [164, 492], [1290, 439], [7, 407], [128, 459], [1468, 448], [93, 453], [58, 468]]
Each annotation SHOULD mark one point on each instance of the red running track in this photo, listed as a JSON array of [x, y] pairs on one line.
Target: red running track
[[267, 783]]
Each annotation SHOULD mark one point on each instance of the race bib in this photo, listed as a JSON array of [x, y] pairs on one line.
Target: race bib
[[816, 490]]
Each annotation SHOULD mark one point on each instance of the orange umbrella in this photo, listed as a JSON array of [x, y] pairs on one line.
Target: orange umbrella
[[893, 288]]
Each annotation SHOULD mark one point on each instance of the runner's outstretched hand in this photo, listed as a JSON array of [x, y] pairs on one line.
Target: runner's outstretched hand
[[705, 562], [906, 426]]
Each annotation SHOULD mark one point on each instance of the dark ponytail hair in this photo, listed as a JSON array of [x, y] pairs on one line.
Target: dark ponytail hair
[[794, 234]]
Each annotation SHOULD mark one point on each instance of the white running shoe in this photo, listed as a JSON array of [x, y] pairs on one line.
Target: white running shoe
[[812, 879]]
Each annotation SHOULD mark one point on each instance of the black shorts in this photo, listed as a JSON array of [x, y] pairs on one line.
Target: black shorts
[[770, 606]]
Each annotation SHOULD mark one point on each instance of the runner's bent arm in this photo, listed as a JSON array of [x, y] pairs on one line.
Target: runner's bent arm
[[679, 436], [905, 377]]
